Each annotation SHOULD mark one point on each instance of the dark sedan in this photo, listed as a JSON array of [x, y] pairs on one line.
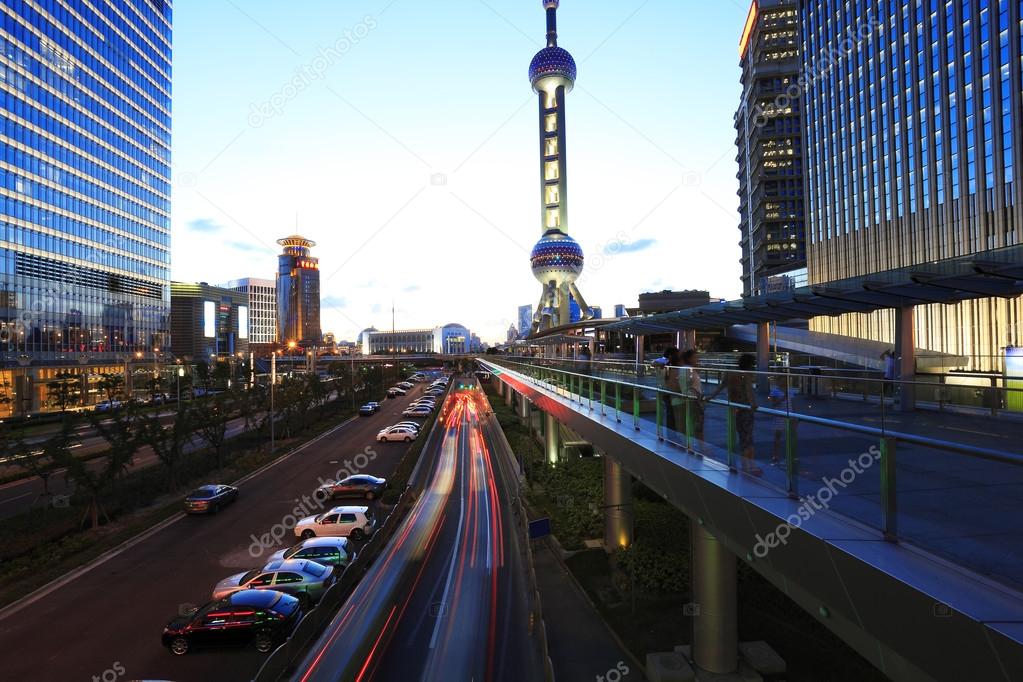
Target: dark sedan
[[360, 485], [367, 411], [261, 617], [209, 499]]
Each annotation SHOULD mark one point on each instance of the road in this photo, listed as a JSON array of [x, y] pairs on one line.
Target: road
[[448, 598], [115, 613]]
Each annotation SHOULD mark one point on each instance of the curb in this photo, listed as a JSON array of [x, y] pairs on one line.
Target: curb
[[74, 574]]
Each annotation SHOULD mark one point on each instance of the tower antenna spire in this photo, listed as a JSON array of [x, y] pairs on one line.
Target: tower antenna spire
[[552, 22]]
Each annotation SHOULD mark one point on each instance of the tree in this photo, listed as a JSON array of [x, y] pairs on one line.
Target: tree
[[39, 459], [213, 420], [112, 385], [201, 373], [221, 374], [94, 478], [65, 390], [169, 442]]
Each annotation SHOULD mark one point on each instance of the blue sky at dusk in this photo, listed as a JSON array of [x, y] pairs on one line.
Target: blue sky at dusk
[[401, 136]]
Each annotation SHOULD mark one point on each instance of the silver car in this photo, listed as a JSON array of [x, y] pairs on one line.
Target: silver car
[[327, 551], [302, 578]]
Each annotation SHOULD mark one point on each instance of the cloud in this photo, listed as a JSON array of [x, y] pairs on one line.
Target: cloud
[[376, 308], [334, 302], [411, 288], [628, 247], [248, 247], [204, 225]]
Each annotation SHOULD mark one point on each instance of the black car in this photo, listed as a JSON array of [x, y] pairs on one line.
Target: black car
[[366, 411], [261, 617], [360, 485], [209, 499]]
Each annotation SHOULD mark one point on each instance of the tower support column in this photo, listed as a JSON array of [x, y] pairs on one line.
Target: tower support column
[[524, 409], [618, 524], [552, 439], [763, 357], [715, 618]]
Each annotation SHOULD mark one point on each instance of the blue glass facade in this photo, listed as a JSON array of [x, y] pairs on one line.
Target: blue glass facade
[[85, 134], [913, 134]]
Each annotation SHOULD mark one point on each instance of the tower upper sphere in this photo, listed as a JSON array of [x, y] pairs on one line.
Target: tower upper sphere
[[552, 61]]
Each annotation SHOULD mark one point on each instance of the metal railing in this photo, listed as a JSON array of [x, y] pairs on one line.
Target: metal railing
[[920, 476]]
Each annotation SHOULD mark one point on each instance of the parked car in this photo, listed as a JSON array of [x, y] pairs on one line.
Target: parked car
[[327, 551], [210, 499], [415, 426], [374, 404], [417, 412], [108, 405], [344, 522], [395, 391], [402, 434], [304, 579], [366, 411], [423, 402], [359, 485], [261, 617]]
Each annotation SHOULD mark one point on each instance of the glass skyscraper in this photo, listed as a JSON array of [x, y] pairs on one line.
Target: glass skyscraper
[[913, 138], [85, 120]]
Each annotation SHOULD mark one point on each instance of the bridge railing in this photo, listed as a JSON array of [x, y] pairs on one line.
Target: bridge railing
[[923, 478]]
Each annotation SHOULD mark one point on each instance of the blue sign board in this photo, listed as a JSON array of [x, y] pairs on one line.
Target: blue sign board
[[539, 528]]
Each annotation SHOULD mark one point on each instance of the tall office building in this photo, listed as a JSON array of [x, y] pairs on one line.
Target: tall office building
[[262, 295], [525, 320], [85, 137], [768, 126], [298, 292], [208, 322], [913, 143]]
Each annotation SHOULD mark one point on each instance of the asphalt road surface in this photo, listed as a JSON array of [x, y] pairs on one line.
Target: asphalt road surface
[[447, 599], [111, 617]]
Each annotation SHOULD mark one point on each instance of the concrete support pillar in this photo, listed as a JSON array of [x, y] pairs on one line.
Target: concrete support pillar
[[715, 617], [688, 339], [509, 396], [905, 356], [524, 409], [500, 388], [640, 348], [552, 439], [617, 506], [763, 356]]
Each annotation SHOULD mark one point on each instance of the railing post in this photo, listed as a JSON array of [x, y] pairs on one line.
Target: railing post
[[635, 407], [730, 438], [660, 417], [791, 458], [603, 396], [618, 402], [590, 382], [689, 425], [889, 494]]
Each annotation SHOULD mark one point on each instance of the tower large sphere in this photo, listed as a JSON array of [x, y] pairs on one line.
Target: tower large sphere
[[557, 257], [555, 63]]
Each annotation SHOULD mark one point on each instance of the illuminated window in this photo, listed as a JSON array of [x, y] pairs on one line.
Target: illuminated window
[[551, 170], [551, 146], [553, 218], [553, 195], [552, 101], [551, 123]]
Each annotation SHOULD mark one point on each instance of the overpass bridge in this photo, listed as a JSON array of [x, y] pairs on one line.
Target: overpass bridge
[[901, 535]]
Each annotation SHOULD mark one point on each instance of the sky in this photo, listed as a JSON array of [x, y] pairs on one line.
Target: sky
[[402, 137]]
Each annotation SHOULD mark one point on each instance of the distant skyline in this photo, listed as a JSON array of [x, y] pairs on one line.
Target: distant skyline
[[401, 137]]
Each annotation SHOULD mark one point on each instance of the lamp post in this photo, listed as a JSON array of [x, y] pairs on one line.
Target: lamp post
[[273, 383], [181, 373]]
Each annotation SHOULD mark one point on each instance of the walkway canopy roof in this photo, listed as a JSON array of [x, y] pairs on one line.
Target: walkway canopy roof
[[997, 272]]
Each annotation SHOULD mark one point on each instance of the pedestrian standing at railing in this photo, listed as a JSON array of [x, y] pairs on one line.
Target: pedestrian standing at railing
[[781, 400], [663, 367], [741, 392]]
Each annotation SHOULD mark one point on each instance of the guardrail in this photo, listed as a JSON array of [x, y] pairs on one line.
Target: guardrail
[[911, 466]]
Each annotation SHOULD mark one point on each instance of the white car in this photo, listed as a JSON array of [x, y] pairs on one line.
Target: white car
[[400, 434], [424, 402], [415, 426], [340, 522], [417, 412]]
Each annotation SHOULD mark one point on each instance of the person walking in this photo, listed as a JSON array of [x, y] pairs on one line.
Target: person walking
[[693, 390]]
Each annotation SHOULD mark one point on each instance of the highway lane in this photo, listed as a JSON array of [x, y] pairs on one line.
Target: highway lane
[[115, 613], [448, 598]]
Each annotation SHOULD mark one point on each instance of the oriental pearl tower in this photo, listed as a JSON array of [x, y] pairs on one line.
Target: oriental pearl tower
[[557, 259]]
